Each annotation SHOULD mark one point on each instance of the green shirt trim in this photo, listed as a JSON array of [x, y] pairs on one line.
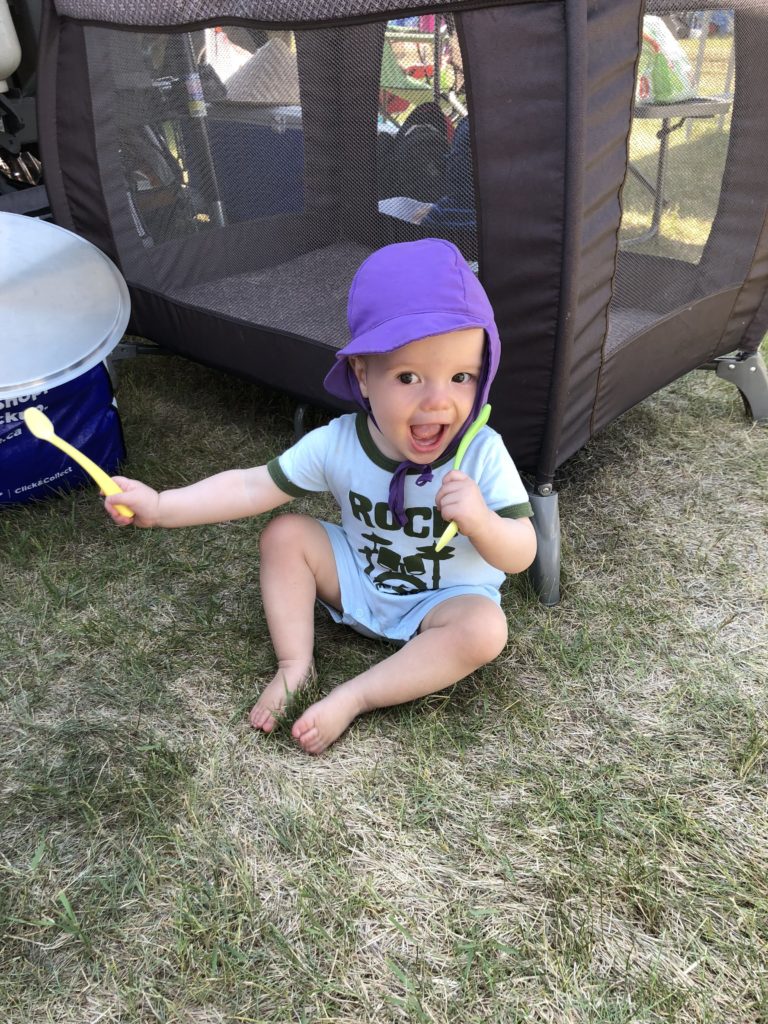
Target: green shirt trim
[[523, 510], [281, 480]]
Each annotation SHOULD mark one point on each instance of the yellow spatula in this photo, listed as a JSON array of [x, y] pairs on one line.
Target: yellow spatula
[[452, 529], [39, 424]]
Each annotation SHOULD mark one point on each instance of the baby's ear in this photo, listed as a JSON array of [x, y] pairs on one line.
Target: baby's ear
[[358, 368]]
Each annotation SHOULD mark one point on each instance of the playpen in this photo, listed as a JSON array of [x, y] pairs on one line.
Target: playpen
[[621, 237]]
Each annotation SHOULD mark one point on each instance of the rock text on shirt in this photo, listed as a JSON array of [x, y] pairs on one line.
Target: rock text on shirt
[[422, 521]]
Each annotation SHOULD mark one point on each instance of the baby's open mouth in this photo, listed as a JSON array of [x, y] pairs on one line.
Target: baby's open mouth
[[426, 437]]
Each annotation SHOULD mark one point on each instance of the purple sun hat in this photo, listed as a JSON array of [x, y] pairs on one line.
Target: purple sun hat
[[408, 291]]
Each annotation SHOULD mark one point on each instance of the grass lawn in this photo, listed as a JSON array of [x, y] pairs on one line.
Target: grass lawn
[[577, 833]]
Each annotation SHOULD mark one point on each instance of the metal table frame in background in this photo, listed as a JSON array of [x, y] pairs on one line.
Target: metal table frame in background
[[700, 107]]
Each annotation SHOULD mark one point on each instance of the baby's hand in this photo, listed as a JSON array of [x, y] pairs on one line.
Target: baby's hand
[[142, 500], [460, 501]]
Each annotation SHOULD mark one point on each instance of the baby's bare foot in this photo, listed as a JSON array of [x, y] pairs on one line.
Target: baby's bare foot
[[326, 720], [290, 677]]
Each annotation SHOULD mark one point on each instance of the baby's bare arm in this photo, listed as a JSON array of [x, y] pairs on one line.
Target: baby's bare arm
[[233, 494], [507, 544]]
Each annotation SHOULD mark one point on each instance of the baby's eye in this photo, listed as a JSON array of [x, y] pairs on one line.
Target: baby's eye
[[463, 378], [407, 378]]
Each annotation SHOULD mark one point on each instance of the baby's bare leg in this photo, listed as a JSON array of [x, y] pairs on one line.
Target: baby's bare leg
[[297, 565], [456, 637]]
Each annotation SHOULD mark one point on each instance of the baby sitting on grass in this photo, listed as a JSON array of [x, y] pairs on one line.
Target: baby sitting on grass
[[423, 354]]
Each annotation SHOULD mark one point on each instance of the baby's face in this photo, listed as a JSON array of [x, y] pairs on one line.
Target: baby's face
[[422, 393]]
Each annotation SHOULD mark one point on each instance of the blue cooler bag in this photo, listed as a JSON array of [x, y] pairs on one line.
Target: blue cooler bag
[[83, 413], [65, 308]]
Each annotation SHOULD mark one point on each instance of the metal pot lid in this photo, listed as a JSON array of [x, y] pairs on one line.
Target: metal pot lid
[[63, 306]]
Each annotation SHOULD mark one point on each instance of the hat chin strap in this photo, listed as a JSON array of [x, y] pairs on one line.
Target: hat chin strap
[[396, 497]]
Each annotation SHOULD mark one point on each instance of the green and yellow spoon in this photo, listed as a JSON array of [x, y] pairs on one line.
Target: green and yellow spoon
[[452, 529], [39, 424]]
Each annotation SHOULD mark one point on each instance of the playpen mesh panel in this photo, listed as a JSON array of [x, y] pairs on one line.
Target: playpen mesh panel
[[682, 127], [249, 172], [149, 12]]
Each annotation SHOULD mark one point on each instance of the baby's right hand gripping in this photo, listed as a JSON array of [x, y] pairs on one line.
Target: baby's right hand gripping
[[143, 501]]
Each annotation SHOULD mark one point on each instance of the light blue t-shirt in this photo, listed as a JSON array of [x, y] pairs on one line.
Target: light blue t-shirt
[[398, 566]]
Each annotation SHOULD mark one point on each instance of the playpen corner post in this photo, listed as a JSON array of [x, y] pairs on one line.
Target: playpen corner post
[[545, 570]]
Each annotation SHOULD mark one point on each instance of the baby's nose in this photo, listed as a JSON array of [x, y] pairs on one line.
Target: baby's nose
[[435, 397]]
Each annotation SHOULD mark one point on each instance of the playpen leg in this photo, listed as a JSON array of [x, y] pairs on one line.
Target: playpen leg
[[128, 349], [545, 571], [748, 372], [300, 421]]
